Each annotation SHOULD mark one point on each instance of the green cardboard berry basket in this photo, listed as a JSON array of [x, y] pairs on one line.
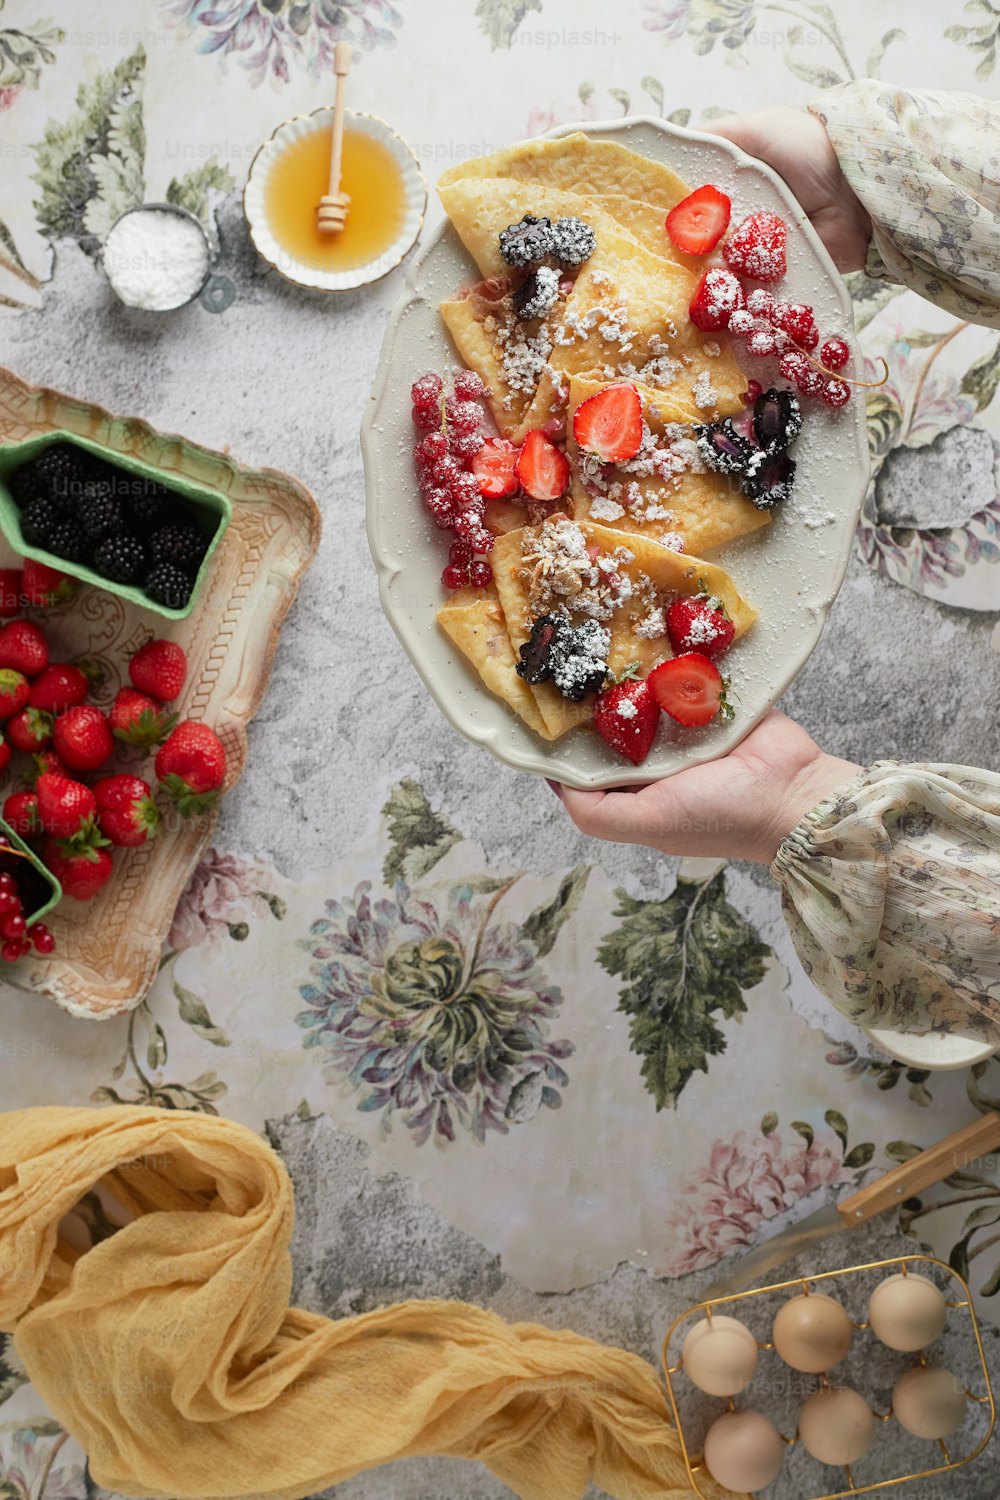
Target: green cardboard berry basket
[[209, 510], [48, 879]]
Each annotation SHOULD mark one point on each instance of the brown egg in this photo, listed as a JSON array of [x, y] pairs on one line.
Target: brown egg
[[929, 1402], [743, 1451], [720, 1355], [812, 1333], [837, 1426], [907, 1312]]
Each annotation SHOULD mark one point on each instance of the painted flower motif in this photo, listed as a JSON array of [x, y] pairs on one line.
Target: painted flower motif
[[721, 1207], [24, 1465], [8, 97], [433, 1010], [222, 892], [669, 16], [268, 36]]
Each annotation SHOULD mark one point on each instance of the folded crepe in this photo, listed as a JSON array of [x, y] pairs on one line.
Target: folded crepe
[[665, 492], [655, 574]]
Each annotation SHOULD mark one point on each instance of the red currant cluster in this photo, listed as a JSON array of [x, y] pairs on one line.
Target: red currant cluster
[[18, 937], [451, 438], [788, 330]]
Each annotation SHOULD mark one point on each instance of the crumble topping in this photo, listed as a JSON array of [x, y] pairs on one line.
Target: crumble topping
[[561, 573]]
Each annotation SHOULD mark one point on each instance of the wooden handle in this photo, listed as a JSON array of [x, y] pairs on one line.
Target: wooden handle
[[923, 1171], [341, 64]]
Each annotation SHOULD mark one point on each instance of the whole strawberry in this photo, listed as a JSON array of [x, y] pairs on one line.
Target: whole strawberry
[[626, 716], [14, 692], [65, 807], [159, 669], [5, 754], [30, 730], [11, 591], [695, 625], [80, 872], [139, 719], [60, 686], [42, 761], [23, 648], [20, 812], [191, 767], [45, 586], [82, 738], [126, 810]]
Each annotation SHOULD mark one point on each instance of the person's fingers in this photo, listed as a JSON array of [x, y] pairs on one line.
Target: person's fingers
[[621, 817]]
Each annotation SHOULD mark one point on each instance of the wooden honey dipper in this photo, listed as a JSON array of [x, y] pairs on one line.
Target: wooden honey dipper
[[331, 211]]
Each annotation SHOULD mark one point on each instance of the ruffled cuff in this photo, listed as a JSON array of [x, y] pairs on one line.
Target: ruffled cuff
[[891, 890], [925, 166]]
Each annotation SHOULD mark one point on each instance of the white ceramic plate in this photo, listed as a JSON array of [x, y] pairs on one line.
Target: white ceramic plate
[[414, 183], [791, 570], [940, 1051]]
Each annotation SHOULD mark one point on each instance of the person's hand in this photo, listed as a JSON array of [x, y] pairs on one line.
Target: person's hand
[[796, 145], [740, 807]]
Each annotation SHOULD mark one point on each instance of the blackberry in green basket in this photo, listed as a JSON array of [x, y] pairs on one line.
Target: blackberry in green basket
[[60, 469], [122, 558], [99, 514], [39, 519], [179, 543], [25, 485], [148, 507], [168, 585], [66, 540]]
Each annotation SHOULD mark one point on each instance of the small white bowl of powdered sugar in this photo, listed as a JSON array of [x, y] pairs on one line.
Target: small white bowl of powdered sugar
[[156, 257]]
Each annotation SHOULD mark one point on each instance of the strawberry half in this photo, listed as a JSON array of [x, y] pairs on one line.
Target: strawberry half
[[689, 688], [495, 468], [626, 717], [698, 222], [609, 424], [693, 625], [542, 468], [716, 297]]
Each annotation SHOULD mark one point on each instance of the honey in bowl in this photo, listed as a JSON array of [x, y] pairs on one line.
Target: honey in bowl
[[298, 180]]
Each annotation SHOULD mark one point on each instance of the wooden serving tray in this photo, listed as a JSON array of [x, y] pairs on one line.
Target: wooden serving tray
[[107, 950]]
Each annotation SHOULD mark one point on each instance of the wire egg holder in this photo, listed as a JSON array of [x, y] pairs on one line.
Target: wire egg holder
[[903, 1263]]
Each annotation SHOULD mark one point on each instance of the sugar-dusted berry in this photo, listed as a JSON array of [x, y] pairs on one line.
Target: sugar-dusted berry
[[835, 392], [834, 354]]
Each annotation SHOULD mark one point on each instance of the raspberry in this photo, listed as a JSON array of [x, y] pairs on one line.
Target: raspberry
[[811, 381], [481, 575], [460, 553], [463, 416], [430, 449], [756, 247], [834, 354], [455, 577], [753, 390], [794, 365], [836, 392], [466, 445], [798, 320], [468, 386], [426, 392], [761, 303], [741, 323]]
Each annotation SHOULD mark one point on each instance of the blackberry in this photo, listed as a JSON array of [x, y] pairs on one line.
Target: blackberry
[[525, 243], [722, 447], [538, 294], [180, 543], [66, 540], [149, 506], [536, 654], [39, 520], [573, 657], [25, 485], [572, 241], [59, 468], [121, 558], [99, 515], [777, 420], [768, 479], [168, 585]]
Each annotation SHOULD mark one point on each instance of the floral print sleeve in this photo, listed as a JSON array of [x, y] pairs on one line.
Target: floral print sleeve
[[926, 166], [891, 889]]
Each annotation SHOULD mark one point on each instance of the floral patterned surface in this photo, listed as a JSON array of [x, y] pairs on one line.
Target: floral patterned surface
[[509, 1031]]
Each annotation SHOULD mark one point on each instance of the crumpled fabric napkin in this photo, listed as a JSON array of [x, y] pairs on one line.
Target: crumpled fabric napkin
[[170, 1352]]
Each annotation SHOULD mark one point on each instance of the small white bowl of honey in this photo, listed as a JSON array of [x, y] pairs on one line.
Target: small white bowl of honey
[[288, 177]]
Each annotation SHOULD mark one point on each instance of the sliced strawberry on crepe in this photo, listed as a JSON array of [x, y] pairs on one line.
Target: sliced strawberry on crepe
[[690, 689], [626, 717], [542, 468], [495, 468], [698, 222], [609, 424]]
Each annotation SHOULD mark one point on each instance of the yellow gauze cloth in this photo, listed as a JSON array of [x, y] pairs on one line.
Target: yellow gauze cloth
[[170, 1352]]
